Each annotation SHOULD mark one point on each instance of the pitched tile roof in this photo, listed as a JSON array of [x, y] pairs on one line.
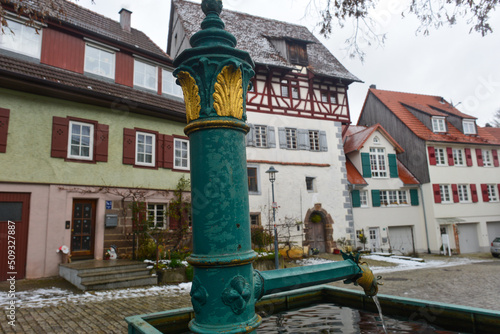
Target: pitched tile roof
[[26, 74], [405, 175], [399, 103], [99, 25], [356, 136], [253, 33], [353, 175]]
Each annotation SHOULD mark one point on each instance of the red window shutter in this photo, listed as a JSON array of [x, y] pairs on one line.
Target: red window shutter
[[494, 153], [454, 189], [160, 150], [101, 142], [437, 193], [432, 155], [473, 190], [484, 190], [59, 148], [128, 146], [4, 129], [479, 155], [468, 157], [451, 162], [168, 153]]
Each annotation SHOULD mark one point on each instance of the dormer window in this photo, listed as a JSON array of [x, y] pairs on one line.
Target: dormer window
[[438, 124], [297, 53], [145, 75], [99, 61], [469, 127], [21, 39]]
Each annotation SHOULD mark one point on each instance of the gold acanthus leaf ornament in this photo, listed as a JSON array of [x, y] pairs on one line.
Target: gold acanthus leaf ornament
[[191, 95], [228, 94]]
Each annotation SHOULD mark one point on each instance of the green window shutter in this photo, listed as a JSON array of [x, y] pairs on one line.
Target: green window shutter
[[365, 163], [414, 197], [376, 198], [393, 165], [356, 201]]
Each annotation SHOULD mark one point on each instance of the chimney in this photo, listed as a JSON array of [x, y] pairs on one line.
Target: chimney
[[372, 86], [125, 19]]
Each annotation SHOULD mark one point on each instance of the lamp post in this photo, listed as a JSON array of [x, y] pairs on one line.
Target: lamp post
[[272, 177]]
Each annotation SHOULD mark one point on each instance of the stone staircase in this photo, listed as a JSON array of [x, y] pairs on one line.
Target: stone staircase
[[107, 274]]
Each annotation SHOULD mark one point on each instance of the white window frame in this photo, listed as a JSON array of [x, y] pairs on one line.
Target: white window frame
[[487, 158], [178, 160], [291, 138], [463, 193], [492, 192], [445, 193], [19, 40], [153, 213], [438, 124], [168, 85], [378, 162], [314, 140], [458, 157], [469, 127], [91, 141], [260, 135], [441, 156], [100, 49], [145, 144], [144, 83], [393, 198], [363, 198]]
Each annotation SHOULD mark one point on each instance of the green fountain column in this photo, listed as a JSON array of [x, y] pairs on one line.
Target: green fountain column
[[214, 77]]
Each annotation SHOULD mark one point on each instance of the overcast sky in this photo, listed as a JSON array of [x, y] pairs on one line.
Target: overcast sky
[[461, 67]]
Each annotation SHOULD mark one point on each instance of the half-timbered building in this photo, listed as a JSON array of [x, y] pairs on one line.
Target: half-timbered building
[[296, 106]]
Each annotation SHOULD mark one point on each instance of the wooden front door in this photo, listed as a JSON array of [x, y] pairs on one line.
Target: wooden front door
[[14, 223], [82, 229], [318, 236]]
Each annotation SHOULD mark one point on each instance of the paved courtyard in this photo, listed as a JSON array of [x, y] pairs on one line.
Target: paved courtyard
[[474, 284]]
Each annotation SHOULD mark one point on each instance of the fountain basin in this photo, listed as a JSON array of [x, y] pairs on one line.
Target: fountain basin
[[447, 316]]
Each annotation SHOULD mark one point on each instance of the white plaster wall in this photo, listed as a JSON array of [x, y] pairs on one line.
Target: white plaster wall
[[290, 187]]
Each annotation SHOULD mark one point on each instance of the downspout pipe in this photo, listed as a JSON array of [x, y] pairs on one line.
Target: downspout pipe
[[425, 219]]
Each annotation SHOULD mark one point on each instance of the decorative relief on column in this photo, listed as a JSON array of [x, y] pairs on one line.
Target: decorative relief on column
[[191, 95], [228, 94], [237, 294], [198, 295]]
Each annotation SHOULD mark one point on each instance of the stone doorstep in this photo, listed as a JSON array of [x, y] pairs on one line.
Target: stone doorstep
[[99, 276], [125, 282]]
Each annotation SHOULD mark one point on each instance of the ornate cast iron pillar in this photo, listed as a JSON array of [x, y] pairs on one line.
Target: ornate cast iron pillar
[[214, 77]]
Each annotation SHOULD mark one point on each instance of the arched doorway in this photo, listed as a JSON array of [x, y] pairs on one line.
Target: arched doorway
[[319, 229]]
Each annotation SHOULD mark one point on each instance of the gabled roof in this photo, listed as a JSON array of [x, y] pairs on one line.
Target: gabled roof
[[356, 136], [489, 131], [353, 175], [253, 34], [400, 103], [99, 25], [406, 176], [52, 81]]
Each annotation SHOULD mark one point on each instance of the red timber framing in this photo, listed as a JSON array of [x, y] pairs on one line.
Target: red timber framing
[[299, 95]]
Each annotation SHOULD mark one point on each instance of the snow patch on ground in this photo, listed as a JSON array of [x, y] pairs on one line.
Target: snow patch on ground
[[54, 296], [312, 261]]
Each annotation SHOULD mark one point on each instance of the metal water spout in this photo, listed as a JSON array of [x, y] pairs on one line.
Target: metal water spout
[[215, 76]]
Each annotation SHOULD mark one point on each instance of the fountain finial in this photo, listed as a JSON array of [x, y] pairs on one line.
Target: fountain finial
[[211, 6]]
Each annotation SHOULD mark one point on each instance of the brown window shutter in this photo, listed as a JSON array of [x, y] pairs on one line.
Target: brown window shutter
[[437, 193], [432, 155], [160, 143], [128, 146], [468, 157], [168, 153], [496, 163], [484, 190], [449, 151], [4, 129], [59, 148], [473, 190], [101, 142], [479, 155], [454, 190]]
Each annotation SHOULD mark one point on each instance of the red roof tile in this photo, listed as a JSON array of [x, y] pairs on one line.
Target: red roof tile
[[405, 175], [356, 136], [399, 102], [353, 176]]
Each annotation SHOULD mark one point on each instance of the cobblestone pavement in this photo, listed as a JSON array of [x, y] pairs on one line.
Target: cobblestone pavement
[[475, 285]]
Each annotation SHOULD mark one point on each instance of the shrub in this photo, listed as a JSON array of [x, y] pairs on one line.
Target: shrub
[[261, 238]]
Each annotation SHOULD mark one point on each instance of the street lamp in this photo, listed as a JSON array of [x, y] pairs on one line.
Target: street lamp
[[272, 177]]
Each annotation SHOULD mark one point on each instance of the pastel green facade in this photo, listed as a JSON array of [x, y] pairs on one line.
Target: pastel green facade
[[28, 157]]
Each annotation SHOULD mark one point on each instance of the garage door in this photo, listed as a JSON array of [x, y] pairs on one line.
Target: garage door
[[493, 230], [401, 239], [467, 237]]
